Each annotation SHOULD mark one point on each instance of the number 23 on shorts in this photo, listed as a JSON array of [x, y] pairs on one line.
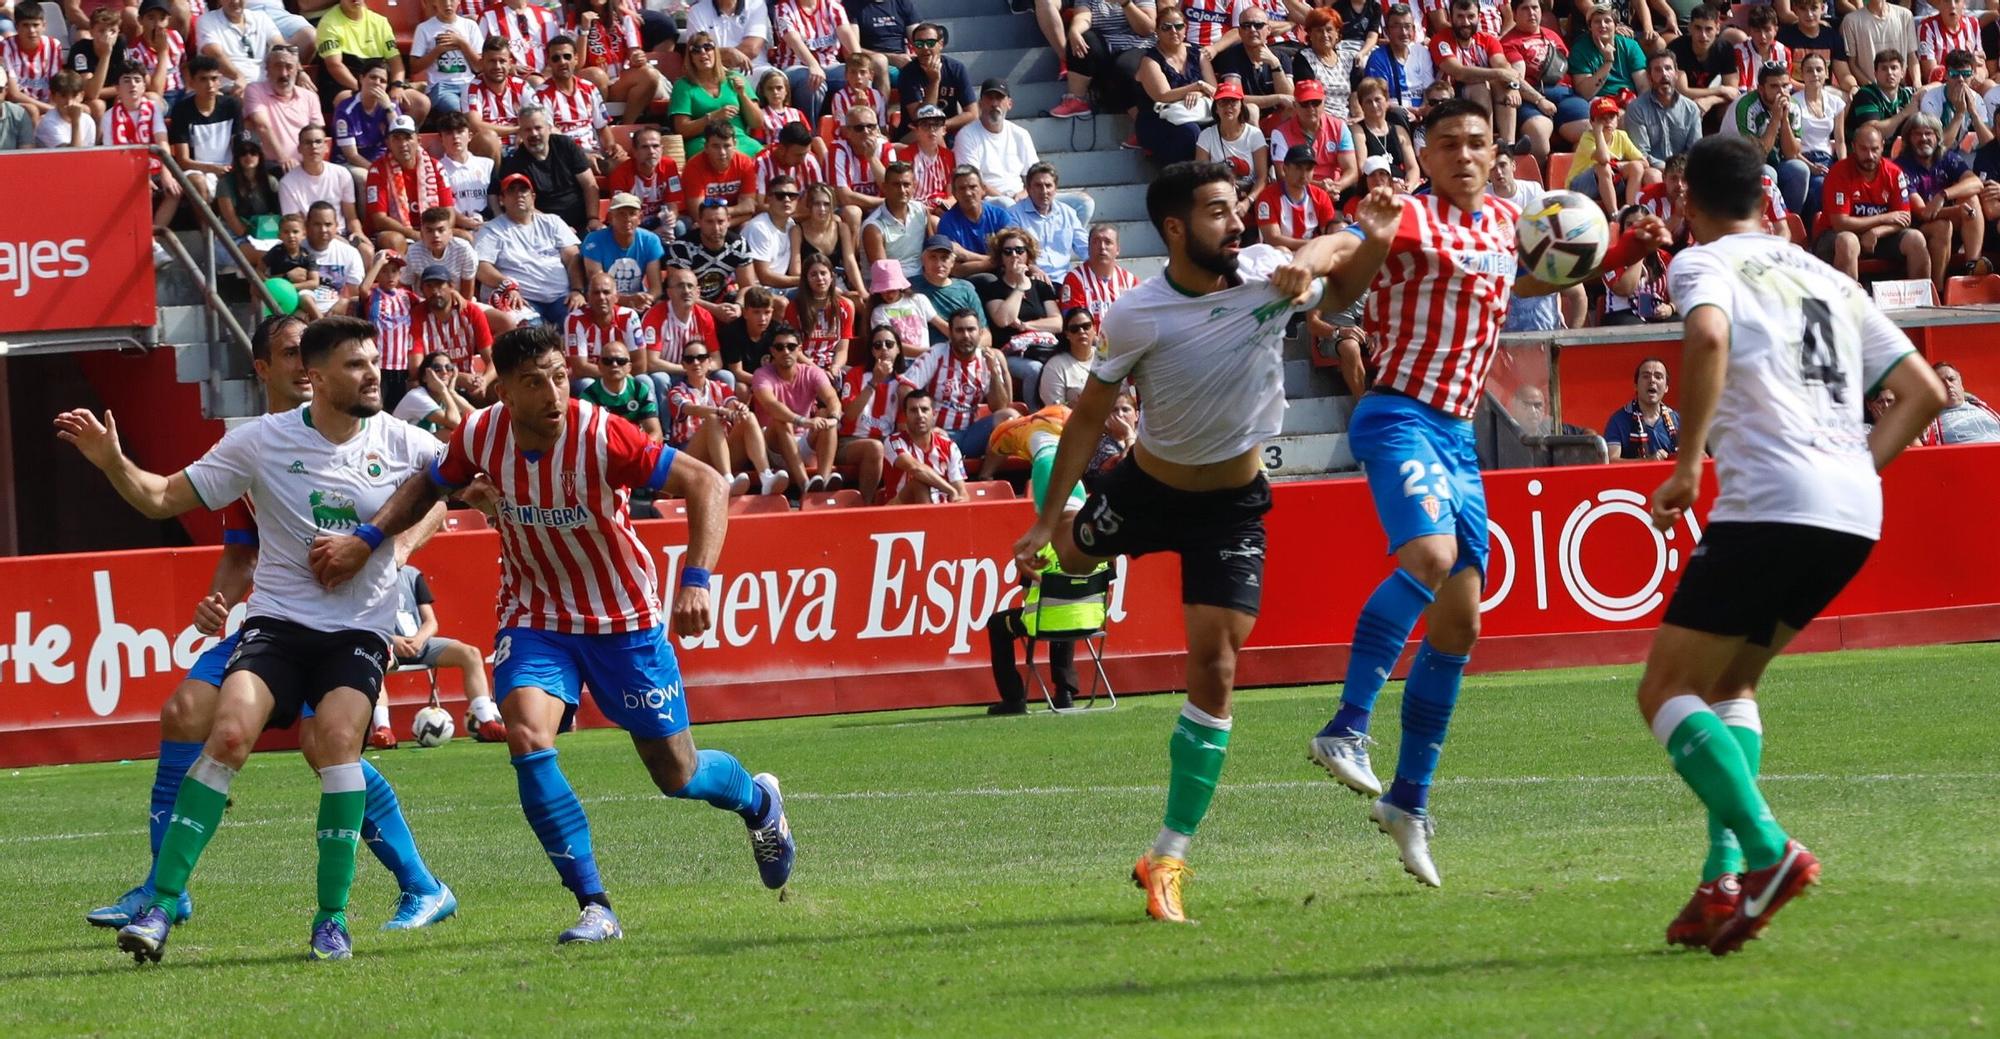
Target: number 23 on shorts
[[1413, 472]]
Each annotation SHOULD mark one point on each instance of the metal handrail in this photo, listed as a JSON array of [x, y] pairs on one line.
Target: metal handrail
[[214, 225]]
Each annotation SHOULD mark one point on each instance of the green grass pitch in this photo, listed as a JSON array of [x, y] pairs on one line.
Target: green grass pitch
[[960, 875]]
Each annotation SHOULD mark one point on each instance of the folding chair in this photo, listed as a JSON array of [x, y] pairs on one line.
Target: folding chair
[[1064, 608]]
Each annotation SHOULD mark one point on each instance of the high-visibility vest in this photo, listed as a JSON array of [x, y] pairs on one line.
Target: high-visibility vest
[[1063, 604]]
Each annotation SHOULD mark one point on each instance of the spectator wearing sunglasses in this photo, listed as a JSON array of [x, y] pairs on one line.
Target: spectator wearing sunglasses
[[935, 78], [1065, 373], [1020, 308], [768, 235], [434, 405], [710, 423]]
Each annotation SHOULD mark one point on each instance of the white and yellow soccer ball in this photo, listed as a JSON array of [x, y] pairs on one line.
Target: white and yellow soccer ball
[[432, 727], [1563, 238]]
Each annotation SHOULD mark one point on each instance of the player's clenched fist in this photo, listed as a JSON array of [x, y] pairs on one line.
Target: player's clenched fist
[[691, 614], [98, 441], [1675, 497], [335, 559], [1379, 213], [211, 614]]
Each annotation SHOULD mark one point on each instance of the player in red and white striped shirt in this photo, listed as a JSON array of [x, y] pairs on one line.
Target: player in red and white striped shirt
[[527, 28], [1948, 30], [31, 56], [1437, 271], [493, 101], [1097, 282], [925, 467], [930, 161], [576, 109], [600, 322], [579, 604]]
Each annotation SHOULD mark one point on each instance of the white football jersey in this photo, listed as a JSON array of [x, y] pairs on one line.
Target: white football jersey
[[302, 486], [1806, 345], [1210, 368]]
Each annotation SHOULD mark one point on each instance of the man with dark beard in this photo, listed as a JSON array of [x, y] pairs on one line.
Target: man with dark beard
[[1204, 342]]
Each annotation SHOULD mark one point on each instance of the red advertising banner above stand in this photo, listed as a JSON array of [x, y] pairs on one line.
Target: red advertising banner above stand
[[74, 259], [868, 609]]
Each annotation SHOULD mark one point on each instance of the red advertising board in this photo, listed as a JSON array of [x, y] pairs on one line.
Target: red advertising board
[[75, 240], [864, 609]]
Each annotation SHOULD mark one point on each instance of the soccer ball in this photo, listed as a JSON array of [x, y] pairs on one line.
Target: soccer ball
[[432, 727], [1563, 239]]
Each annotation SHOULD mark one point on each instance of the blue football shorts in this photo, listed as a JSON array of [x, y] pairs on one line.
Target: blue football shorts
[[1423, 472], [633, 676], [210, 668]]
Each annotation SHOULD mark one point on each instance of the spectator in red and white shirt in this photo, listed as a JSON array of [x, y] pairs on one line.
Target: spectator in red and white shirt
[[857, 166], [869, 392], [1472, 57], [136, 117], [525, 29], [810, 38], [614, 57], [960, 377], [929, 159], [599, 321], [493, 101], [1949, 30], [712, 424], [1294, 208], [31, 59], [790, 155], [159, 48], [1865, 211], [669, 326], [451, 324], [774, 103], [925, 466], [1097, 283], [404, 184], [859, 90], [654, 178], [1327, 136], [575, 106], [801, 416], [391, 308], [1759, 49]]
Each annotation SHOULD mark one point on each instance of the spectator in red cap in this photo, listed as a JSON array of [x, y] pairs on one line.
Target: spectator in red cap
[[1236, 141], [1606, 160], [531, 257], [1324, 135]]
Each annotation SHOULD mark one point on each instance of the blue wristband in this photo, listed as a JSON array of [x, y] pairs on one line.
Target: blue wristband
[[370, 533], [694, 577]]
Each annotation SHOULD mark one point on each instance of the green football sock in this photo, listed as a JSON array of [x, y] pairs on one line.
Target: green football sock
[[197, 812], [342, 800], [1042, 466], [1713, 765], [1725, 855], [1198, 748]]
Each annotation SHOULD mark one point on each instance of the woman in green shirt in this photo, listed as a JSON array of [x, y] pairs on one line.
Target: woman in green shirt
[[1602, 62], [705, 93]]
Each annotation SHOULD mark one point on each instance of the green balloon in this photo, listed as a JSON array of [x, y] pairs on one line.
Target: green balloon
[[284, 293]]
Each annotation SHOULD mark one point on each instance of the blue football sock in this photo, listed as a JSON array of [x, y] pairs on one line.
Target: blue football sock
[[175, 760], [722, 781], [557, 818], [388, 835], [1387, 619], [1428, 697]]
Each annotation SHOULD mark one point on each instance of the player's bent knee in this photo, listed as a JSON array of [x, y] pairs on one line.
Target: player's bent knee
[[189, 712]]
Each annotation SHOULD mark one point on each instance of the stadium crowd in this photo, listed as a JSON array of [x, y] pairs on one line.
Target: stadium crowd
[[793, 237]]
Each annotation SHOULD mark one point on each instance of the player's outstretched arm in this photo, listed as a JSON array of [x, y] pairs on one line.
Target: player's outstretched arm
[[1079, 441], [1647, 235], [155, 496], [707, 498], [1919, 397], [1704, 364], [1353, 259]]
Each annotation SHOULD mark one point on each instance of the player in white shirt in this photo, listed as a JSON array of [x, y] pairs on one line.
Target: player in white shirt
[[309, 473], [1204, 342], [1780, 351]]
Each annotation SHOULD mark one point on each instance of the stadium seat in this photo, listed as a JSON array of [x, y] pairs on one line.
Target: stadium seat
[[1559, 171], [458, 520], [1981, 288], [1525, 168], [990, 490], [404, 17], [758, 504], [845, 498], [829, 130]]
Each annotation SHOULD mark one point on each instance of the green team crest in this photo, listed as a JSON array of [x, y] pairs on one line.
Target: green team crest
[[332, 510]]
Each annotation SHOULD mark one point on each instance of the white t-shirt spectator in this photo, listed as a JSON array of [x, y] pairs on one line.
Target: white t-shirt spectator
[[1063, 377], [1816, 132], [338, 266], [458, 258], [468, 181], [752, 18], [245, 45], [416, 406], [452, 68], [765, 242], [529, 253], [1003, 158], [54, 130], [299, 189], [1240, 154]]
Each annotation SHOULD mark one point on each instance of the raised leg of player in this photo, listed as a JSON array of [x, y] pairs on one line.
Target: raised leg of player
[[533, 718], [716, 777]]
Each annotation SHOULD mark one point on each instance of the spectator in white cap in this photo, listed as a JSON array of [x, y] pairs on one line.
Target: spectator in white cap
[[404, 184]]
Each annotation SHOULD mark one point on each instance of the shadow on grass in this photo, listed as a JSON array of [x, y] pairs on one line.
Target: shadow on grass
[[1401, 971], [116, 961], [918, 930]]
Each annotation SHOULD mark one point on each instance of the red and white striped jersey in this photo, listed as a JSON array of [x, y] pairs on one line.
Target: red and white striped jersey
[[497, 106], [390, 311], [584, 337], [711, 395], [31, 71], [239, 522], [1276, 12], [1748, 61], [807, 172], [941, 454], [1082, 287], [577, 113], [656, 190], [661, 331], [866, 97], [145, 125], [933, 172], [607, 43], [850, 172], [138, 54], [1207, 20], [1489, 15], [819, 28], [776, 119], [569, 559], [958, 387], [527, 30], [1934, 41], [1298, 218], [872, 408], [1434, 309], [461, 332]]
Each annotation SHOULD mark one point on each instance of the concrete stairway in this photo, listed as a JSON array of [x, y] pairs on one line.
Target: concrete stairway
[[1087, 153], [203, 352]]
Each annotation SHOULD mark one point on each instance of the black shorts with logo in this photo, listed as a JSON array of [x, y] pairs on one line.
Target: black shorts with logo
[[1745, 579], [1219, 535], [301, 664]]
